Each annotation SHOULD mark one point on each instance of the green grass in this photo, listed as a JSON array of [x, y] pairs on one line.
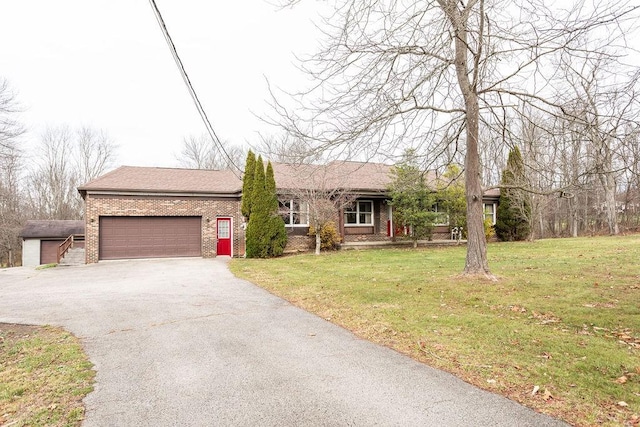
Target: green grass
[[44, 375], [564, 316], [46, 266]]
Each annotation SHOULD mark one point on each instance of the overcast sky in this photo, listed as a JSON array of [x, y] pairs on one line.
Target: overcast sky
[[105, 64]]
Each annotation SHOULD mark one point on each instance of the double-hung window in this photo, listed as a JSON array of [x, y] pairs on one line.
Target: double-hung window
[[490, 212], [441, 216], [359, 213], [295, 213]]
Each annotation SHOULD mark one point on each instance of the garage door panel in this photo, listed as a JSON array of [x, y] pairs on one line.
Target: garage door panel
[[150, 237], [49, 251]]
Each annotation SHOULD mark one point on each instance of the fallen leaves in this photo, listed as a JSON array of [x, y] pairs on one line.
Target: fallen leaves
[[517, 309], [546, 395], [622, 380], [625, 336]]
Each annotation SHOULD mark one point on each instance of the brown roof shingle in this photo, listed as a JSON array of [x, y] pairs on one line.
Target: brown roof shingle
[[351, 176], [165, 180], [358, 177]]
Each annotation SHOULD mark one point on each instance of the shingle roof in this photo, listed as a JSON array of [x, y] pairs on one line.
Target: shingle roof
[[492, 193], [359, 177], [52, 228], [343, 175], [352, 176], [165, 180]]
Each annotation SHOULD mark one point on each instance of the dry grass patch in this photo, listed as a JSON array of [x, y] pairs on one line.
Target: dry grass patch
[[44, 375], [559, 331]]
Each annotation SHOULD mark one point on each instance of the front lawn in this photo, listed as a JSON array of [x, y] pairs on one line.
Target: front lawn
[[44, 375], [558, 332]]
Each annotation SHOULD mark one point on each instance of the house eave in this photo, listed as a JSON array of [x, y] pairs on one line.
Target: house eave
[[333, 192], [129, 193]]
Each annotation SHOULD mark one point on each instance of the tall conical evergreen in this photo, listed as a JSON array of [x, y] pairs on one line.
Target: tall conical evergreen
[[258, 202], [266, 233], [247, 183], [256, 247], [277, 232], [270, 188], [514, 208]]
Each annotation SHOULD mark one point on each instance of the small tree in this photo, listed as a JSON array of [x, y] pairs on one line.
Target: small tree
[[514, 208], [413, 200], [320, 199], [266, 234], [247, 183], [452, 198]]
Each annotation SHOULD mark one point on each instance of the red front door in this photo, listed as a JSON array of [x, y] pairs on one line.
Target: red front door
[[223, 235]]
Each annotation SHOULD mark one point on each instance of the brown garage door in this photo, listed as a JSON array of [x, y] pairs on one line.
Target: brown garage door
[[149, 237], [49, 251]]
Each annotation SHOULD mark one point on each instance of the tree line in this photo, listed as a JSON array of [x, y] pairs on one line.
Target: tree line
[[41, 182]]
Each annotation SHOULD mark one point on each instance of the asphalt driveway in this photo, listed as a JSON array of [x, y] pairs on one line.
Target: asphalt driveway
[[182, 342]]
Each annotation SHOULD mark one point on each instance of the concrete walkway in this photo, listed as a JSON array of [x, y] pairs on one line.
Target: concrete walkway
[[182, 342]]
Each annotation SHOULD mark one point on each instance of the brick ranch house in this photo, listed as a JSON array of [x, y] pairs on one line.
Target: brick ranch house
[[148, 212]]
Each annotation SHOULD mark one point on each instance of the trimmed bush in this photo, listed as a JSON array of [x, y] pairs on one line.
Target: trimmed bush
[[329, 236]]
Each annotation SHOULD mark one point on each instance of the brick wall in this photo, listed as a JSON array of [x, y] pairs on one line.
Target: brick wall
[[209, 208], [300, 243]]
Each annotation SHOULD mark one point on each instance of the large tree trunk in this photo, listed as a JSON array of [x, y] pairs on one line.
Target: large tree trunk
[[476, 262]]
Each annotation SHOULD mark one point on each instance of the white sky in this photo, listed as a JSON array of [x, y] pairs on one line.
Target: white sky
[[105, 64]]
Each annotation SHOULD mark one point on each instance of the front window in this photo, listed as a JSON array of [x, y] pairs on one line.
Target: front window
[[490, 212], [294, 212], [359, 213], [441, 217]]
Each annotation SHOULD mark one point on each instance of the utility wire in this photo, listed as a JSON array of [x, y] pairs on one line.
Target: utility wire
[[192, 92]]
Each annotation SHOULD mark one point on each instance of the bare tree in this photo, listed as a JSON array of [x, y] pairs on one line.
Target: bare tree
[[285, 149], [201, 153], [10, 128], [12, 210], [316, 191], [66, 160], [604, 106], [431, 75], [630, 198], [53, 183], [95, 153]]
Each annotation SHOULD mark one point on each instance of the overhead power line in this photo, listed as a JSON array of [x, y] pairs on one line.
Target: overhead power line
[[192, 92]]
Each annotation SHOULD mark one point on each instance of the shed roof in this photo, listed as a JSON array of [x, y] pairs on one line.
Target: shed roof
[[165, 180], [51, 228]]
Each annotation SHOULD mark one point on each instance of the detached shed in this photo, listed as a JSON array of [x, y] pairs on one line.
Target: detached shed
[[41, 239]]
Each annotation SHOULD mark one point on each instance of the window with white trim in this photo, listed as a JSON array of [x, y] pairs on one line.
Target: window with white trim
[[359, 213], [442, 218], [490, 212], [294, 212]]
